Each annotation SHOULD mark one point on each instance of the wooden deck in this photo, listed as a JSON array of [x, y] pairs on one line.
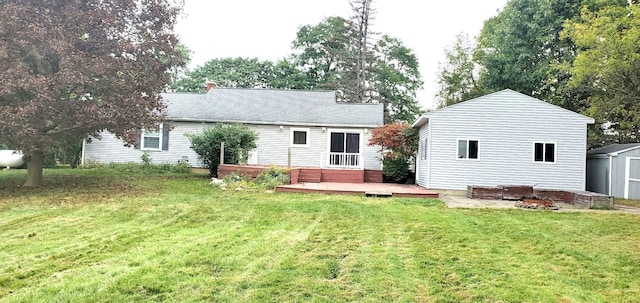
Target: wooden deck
[[369, 189]]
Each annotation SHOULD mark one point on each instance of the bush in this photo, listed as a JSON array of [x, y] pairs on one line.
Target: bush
[[238, 141], [273, 177], [395, 169], [131, 167]]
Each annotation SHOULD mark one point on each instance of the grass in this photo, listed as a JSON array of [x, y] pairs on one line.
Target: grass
[[112, 235]]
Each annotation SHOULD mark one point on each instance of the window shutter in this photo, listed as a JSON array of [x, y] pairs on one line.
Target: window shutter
[[136, 144], [165, 136]]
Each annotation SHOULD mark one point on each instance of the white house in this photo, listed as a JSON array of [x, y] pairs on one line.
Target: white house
[[307, 128], [504, 138]]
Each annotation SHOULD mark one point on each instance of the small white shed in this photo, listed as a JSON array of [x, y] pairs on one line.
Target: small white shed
[[615, 170], [504, 138]]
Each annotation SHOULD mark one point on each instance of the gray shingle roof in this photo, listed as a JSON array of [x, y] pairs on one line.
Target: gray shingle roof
[[613, 148], [269, 106]]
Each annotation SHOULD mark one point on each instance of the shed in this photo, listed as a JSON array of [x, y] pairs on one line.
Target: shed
[[615, 170]]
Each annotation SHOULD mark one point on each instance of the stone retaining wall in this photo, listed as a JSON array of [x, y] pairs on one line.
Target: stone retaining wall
[[516, 192]]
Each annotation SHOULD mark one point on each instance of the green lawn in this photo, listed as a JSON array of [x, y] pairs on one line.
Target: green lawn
[[100, 235]]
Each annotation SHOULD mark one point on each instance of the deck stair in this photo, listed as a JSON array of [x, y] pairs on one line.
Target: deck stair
[[310, 175]]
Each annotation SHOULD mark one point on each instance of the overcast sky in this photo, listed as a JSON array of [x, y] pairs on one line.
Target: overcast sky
[[265, 29]]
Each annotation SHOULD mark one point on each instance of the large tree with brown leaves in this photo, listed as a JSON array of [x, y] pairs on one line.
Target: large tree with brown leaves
[[72, 68]]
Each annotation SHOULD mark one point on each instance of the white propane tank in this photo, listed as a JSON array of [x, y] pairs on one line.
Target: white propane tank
[[11, 158]]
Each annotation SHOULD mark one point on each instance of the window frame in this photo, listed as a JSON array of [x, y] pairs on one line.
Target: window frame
[[298, 129], [143, 135], [467, 151], [544, 152], [360, 132], [425, 142]]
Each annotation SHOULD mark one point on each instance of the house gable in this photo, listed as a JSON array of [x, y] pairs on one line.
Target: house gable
[[521, 140]]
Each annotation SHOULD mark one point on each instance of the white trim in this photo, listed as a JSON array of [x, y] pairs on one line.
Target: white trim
[[623, 151], [610, 173], [430, 139], [343, 130], [422, 120], [544, 151], [423, 152], [468, 146], [297, 129], [84, 142], [160, 139], [627, 178], [417, 174]]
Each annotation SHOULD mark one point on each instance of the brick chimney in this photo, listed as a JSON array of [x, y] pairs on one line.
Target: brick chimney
[[210, 85]]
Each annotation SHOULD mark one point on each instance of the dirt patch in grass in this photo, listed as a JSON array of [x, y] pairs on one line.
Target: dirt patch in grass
[[627, 202]]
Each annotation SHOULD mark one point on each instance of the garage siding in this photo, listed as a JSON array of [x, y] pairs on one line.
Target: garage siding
[[506, 125]]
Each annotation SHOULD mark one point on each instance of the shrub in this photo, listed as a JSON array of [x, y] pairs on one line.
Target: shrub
[[395, 169], [399, 144], [396, 138], [273, 177], [132, 167], [238, 141], [146, 159]]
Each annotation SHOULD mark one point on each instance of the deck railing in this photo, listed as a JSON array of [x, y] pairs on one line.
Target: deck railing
[[252, 157], [342, 160]]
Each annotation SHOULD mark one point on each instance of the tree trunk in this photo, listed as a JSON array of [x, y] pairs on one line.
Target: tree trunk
[[35, 164]]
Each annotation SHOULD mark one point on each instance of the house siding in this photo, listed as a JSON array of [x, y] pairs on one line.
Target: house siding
[[506, 124], [273, 147], [109, 149]]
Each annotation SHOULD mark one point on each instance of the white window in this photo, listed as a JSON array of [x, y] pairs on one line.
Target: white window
[[544, 152], [151, 140], [300, 137], [423, 156], [468, 149]]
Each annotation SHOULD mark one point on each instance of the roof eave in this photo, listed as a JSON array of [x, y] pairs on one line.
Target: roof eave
[[276, 123], [615, 154], [422, 120]]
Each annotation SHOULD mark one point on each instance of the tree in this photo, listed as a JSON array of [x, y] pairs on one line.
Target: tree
[[395, 80], [228, 72], [519, 48], [458, 77], [73, 68], [609, 65], [361, 93], [323, 52], [287, 75], [397, 138], [398, 144], [238, 140], [327, 56]]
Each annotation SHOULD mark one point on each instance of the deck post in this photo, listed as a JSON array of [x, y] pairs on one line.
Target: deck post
[[222, 152]]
